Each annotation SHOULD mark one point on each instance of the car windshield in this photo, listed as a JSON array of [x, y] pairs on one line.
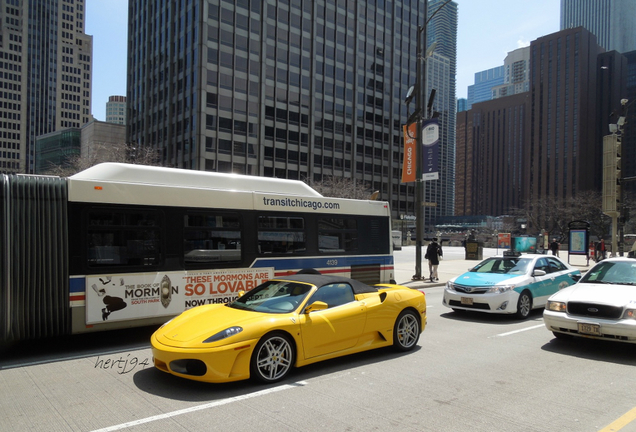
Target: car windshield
[[617, 272], [505, 265], [273, 297]]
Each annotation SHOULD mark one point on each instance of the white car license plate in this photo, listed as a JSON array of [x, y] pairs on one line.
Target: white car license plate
[[468, 301], [590, 329]]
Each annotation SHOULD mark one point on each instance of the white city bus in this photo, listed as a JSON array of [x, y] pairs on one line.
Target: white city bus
[[121, 245]]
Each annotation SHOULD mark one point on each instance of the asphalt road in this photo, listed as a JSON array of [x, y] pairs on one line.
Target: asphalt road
[[471, 372]]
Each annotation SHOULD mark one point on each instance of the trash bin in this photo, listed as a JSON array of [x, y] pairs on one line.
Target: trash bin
[[474, 250]]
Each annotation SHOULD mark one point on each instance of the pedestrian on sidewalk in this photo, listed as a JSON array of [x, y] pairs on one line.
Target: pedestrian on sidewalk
[[601, 251], [433, 255], [554, 247]]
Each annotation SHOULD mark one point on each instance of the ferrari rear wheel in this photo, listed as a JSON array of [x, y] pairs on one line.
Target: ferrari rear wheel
[[406, 332], [273, 358]]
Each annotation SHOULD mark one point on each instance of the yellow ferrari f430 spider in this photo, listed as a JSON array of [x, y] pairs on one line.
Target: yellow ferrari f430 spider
[[288, 322]]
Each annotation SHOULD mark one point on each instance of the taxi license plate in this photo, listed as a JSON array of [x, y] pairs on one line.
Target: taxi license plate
[[468, 301], [590, 329]]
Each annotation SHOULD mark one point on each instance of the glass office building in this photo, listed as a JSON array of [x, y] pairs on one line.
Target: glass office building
[[611, 21], [278, 88]]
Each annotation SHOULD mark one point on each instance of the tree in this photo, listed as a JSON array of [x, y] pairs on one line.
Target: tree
[[553, 216], [340, 187], [101, 152]]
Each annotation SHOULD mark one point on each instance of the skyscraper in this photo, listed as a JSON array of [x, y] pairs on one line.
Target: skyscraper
[[544, 144], [516, 74], [116, 110], [563, 151], [485, 81], [45, 65], [442, 30], [611, 21], [300, 90]]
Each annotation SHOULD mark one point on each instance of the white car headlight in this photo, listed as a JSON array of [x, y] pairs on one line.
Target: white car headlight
[[630, 314], [224, 334], [555, 306], [500, 289]]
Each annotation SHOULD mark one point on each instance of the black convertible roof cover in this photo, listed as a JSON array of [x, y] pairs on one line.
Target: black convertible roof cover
[[321, 280]]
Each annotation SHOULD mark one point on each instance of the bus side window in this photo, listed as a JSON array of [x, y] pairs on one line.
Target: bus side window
[[281, 235], [124, 237], [210, 237], [337, 235]]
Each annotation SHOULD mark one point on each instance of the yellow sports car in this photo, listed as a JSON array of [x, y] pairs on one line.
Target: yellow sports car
[[287, 322]]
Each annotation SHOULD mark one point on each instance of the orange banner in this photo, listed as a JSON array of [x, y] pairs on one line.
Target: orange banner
[[409, 167]]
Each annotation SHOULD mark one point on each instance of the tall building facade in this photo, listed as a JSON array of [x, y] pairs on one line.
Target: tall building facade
[[516, 74], [462, 104], [300, 90], [613, 22], [485, 81], [116, 110], [442, 69], [491, 138], [45, 72], [564, 149], [629, 133], [546, 143]]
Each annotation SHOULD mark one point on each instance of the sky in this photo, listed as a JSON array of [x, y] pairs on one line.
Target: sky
[[487, 31]]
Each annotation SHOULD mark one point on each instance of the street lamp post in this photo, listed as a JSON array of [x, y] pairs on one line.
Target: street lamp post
[[420, 92], [420, 89]]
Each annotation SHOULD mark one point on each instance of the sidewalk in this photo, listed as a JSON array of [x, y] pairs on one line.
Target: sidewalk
[[451, 268]]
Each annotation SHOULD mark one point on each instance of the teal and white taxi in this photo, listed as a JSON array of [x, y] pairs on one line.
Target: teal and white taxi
[[509, 284]]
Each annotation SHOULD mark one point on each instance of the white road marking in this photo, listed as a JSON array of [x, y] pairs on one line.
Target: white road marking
[[200, 407], [517, 331]]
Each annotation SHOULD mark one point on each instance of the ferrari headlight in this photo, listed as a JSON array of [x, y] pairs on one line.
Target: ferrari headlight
[[166, 323], [500, 289], [224, 334], [555, 306]]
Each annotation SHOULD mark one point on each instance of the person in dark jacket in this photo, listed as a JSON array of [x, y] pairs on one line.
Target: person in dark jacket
[[554, 247], [433, 254]]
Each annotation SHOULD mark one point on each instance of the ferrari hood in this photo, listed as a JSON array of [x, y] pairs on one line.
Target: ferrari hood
[[617, 295], [486, 279], [202, 322]]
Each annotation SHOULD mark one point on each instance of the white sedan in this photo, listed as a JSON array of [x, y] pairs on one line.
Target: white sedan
[[602, 305], [509, 284]]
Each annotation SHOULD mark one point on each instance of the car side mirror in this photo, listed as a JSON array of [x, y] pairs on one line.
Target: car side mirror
[[316, 306], [575, 277], [538, 273]]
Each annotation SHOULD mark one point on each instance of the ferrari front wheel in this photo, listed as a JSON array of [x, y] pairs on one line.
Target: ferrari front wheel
[[406, 332], [273, 358]]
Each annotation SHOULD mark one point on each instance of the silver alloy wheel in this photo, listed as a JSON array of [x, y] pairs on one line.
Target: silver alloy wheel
[[524, 305], [407, 331], [274, 358]]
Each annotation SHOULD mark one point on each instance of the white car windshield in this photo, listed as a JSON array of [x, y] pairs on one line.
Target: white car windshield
[[505, 265], [612, 272], [273, 297]]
